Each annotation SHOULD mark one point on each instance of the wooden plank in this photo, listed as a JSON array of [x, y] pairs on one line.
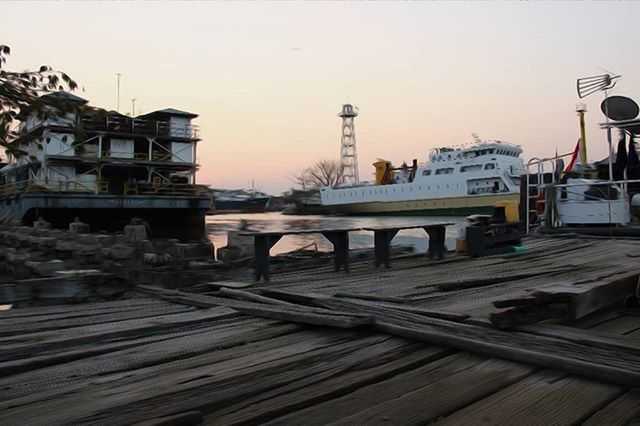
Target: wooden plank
[[567, 300], [622, 410], [143, 359], [594, 337], [81, 309], [537, 397], [612, 365], [245, 295], [15, 347], [120, 400], [21, 326], [417, 396], [304, 315], [217, 285], [342, 379]]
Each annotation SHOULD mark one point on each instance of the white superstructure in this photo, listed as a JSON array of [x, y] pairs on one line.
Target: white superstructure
[[454, 181]]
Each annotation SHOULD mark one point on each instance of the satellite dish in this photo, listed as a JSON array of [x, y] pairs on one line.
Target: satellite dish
[[634, 130], [619, 108]]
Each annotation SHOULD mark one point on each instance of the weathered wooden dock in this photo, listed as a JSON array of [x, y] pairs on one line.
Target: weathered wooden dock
[[406, 345]]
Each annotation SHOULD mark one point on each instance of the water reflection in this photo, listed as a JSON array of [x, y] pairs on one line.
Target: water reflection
[[219, 225]]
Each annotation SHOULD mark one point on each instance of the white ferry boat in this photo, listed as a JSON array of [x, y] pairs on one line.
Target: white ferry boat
[[455, 181]]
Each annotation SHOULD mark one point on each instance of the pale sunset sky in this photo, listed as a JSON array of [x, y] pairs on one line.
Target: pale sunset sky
[[269, 78]]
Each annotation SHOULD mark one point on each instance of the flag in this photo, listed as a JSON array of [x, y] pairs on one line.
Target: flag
[[575, 159], [621, 159], [633, 162]]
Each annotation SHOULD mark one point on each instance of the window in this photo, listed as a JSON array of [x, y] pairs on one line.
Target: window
[[489, 166], [472, 168], [426, 173], [445, 171]]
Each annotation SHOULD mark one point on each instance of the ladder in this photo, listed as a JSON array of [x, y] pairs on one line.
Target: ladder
[[539, 186]]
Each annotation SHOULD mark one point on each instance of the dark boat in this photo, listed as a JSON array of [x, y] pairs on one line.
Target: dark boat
[[238, 202]]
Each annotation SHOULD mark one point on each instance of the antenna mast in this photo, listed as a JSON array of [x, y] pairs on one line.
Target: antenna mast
[[118, 93], [348, 154]]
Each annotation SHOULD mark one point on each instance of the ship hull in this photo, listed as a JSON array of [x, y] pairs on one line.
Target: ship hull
[[453, 206], [176, 216], [253, 205]]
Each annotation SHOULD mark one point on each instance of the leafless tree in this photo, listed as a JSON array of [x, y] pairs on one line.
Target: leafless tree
[[321, 173]]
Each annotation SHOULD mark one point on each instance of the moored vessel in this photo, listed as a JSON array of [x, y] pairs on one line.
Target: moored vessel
[[455, 181], [106, 168], [238, 201]]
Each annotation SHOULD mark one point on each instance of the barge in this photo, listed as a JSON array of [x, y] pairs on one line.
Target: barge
[[106, 168]]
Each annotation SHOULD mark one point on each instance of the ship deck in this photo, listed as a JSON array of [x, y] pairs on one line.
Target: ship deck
[[406, 345]]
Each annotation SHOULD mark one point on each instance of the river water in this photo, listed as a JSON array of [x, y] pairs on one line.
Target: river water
[[219, 225]]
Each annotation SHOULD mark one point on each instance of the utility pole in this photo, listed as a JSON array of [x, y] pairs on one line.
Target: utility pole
[[133, 107], [118, 91], [581, 109]]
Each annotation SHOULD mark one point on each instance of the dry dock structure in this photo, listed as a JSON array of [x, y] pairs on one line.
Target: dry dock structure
[[411, 344]]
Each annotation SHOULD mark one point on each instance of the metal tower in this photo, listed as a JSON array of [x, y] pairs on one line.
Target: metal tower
[[348, 155]]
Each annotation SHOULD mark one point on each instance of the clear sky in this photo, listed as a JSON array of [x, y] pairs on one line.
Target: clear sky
[[268, 79]]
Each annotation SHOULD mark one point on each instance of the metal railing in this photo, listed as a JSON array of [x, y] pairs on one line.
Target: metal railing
[[102, 187], [140, 126]]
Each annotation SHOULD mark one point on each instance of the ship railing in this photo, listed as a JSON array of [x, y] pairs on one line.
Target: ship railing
[[48, 186], [167, 189], [561, 192], [102, 187], [535, 191], [139, 156], [140, 126]]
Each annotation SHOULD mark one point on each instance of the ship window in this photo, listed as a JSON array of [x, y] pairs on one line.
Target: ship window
[[470, 168], [447, 186], [444, 171], [426, 173], [489, 166]]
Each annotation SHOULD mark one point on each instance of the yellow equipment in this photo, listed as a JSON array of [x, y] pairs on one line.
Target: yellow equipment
[[384, 172], [511, 212]]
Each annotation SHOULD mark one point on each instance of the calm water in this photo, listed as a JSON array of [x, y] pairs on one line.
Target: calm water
[[219, 225]]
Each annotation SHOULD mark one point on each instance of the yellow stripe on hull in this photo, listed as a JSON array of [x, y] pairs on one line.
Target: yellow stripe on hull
[[453, 203]]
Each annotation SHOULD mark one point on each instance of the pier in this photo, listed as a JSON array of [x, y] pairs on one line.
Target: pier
[[420, 342]]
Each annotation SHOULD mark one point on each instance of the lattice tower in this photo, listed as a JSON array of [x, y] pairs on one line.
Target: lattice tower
[[348, 153]]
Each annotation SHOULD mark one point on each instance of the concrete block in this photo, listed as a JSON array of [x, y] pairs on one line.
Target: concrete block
[[105, 240], [136, 232], [157, 258], [78, 227], [228, 254], [17, 258], [119, 252], [74, 273], [244, 242], [86, 250], [194, 251], [65, 245], [47, 242], [46, 269], [41, 224]]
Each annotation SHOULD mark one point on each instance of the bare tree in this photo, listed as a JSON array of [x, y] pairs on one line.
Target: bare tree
[[321, 173]]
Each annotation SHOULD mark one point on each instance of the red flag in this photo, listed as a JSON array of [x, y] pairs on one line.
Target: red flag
[[575, 159]]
